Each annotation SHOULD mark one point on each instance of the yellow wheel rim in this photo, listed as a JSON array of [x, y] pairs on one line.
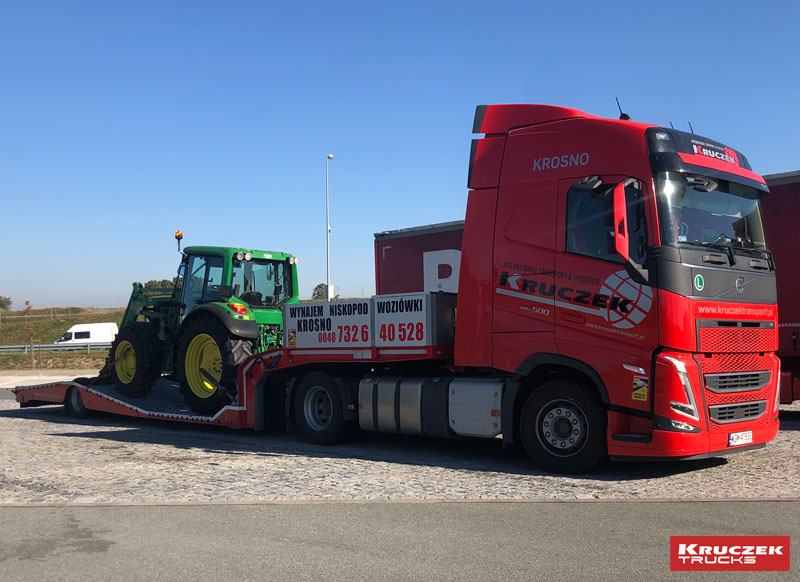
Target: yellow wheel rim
[[125, 356], [202, 354]]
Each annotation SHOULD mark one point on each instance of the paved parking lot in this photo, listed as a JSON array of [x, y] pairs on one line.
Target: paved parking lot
[[370, 541], [47, 457]]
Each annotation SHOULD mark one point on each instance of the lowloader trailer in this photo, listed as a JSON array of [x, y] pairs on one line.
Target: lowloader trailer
[[615, 299]]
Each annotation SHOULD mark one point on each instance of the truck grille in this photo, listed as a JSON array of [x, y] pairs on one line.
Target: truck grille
[[737, 381], [725, 413], [722, 363], [739, 388], [737, 339]]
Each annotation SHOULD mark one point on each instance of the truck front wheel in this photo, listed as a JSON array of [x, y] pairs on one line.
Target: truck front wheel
[[206, 363], [562, 428], [318, 410]]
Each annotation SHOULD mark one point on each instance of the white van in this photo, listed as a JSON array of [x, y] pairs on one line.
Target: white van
[[89, 333]]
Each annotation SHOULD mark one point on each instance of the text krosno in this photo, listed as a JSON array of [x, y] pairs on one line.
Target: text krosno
[[564, 161]]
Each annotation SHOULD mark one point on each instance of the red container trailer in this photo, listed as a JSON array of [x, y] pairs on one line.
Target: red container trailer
[[781, 214], [422, 258], [615, 298]]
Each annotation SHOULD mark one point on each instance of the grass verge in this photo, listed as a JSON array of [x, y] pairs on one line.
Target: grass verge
[[45, 360]]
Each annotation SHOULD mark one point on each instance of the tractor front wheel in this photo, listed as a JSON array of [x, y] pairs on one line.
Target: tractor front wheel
[[136, 359], [206, 363]]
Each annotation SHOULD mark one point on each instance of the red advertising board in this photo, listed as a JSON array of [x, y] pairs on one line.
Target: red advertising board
[[729, 553]]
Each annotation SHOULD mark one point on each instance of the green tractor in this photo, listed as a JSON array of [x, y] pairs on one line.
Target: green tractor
[[225, 306]]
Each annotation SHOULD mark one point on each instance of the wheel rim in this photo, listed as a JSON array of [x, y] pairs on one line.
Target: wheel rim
[[318, 408], [561, 428], [125, 356], [202, 354]]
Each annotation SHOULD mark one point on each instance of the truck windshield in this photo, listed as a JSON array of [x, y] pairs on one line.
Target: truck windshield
[[700, 210], [261, 283]]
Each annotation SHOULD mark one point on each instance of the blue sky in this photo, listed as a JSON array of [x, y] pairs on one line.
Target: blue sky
[[121, 122]]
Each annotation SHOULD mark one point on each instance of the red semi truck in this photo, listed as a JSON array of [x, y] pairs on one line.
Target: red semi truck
[[781, 214], [615, 298]]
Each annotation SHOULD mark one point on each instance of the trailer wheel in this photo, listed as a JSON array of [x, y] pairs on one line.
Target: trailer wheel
[[206, 348], [136, 355], [563, 428], [318, 410], [73, 405]]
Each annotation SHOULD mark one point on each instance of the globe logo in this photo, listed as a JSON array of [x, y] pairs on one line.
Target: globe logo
[[640, 299]]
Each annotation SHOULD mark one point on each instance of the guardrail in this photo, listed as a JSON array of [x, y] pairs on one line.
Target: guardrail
[[25, 348]]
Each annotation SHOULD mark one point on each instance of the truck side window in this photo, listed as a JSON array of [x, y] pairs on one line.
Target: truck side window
[[82, 335], [590, 217]]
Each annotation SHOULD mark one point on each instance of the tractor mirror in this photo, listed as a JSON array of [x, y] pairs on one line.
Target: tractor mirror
[[181, 269], [621, 223], [224, 292]]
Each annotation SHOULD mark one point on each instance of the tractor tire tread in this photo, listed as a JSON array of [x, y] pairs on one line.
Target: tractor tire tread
[[147, 347], [235, 350]]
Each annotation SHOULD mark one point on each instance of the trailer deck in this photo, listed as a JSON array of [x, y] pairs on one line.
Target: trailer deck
[[164, 402]]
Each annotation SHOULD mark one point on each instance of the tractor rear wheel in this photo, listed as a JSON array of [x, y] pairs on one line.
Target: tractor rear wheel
[[136, 359], [206, 363]]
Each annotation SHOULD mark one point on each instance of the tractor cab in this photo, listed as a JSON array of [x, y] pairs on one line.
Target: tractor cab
[[245, 287], [260, 279]]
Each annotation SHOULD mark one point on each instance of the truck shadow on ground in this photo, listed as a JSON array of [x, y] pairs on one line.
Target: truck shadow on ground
[[790, 419], [479, 455]]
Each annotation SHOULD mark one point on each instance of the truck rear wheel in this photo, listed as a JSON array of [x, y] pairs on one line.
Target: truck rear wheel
[[318, 410], [563, 428], [136, 358], [206, 363]]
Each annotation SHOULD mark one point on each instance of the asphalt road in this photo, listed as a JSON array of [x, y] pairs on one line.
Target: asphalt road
[[374, 541]]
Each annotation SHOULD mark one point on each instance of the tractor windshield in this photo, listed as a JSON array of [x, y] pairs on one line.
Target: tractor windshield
[[261, 283]]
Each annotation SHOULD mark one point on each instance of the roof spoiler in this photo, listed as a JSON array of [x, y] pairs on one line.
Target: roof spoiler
[[503, 118]]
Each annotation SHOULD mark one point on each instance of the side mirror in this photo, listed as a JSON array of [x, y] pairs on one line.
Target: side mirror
[[181, 269], [621, 223]]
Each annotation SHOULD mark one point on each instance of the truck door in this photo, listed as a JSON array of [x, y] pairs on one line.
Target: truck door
[[523, 272], [605, 310]]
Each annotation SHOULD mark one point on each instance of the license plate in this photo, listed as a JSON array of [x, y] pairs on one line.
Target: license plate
[[740, 438]]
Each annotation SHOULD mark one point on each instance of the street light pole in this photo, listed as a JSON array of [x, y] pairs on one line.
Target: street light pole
[[328, 293]]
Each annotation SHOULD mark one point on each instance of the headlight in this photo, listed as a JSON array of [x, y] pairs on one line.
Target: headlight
[[688, 408]]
